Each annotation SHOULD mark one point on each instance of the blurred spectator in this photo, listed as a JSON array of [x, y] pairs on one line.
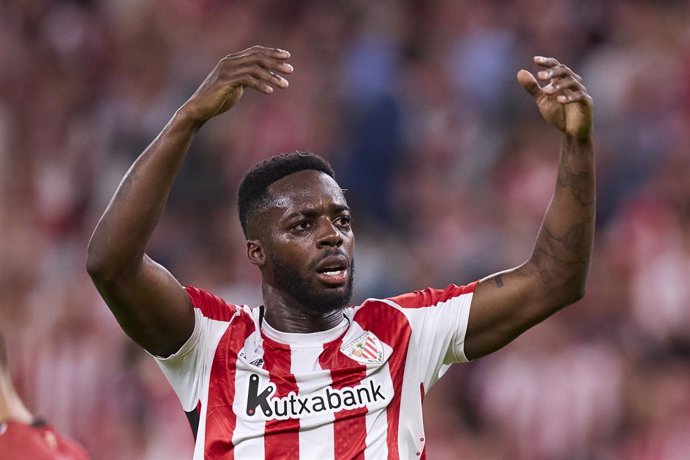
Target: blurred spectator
[[22, 435]]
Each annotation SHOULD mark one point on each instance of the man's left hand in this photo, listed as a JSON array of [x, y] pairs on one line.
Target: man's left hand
[[564, 101]]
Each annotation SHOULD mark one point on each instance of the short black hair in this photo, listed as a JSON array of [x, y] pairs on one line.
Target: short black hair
[[252, 192]]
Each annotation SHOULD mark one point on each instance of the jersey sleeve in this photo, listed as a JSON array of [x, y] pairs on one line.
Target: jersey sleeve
[[438, 318], [188, 369]]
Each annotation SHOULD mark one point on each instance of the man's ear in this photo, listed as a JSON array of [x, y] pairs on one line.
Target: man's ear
[[255, 253]]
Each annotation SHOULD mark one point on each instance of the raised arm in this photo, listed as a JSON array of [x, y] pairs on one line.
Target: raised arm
[[508, 303], [148, 302]]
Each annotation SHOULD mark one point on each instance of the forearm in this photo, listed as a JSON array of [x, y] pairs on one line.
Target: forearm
[[119, 240], [564, 245], [507, 303]]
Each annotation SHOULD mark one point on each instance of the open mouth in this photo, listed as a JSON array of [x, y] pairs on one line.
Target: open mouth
[[333, 270]]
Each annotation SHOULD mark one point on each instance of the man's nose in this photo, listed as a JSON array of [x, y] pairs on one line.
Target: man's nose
[[329, 235]]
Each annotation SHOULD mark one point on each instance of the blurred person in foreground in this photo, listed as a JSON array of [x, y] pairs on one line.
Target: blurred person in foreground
[[23, 435], [306, 375]]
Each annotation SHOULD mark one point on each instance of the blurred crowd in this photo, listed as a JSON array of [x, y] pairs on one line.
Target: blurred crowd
[[447, 164]]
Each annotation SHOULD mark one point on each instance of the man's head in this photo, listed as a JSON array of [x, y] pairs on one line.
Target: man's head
[[297, 224], [252, 195]]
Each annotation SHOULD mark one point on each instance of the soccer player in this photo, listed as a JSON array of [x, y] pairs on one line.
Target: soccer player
[[306, 375], [22, 435]]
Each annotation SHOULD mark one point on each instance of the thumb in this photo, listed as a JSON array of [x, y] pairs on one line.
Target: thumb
[[527, 81]]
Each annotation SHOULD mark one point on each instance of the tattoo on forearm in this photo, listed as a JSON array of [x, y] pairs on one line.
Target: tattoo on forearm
[[572, 242], [545, 251], [572, 239], [563, 248], [580, 184]]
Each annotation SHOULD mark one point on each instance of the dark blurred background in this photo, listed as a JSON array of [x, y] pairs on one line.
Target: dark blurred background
[[447, 164]]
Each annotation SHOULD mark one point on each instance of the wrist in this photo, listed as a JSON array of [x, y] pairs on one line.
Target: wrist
[[577, 146], [579, 138], [185, 117]]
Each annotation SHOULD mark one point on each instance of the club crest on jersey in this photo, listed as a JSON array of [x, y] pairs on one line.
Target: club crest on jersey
[[366, 349]]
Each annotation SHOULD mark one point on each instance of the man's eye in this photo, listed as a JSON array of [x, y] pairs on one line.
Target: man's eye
[[343, 222], [302, 225]]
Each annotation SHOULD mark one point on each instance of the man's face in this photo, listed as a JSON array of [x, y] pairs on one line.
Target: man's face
[[309, 244]]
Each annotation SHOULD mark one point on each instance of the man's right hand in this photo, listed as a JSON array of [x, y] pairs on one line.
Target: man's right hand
[[257, 67]]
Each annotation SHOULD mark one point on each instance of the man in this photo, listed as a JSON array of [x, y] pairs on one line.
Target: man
[[304, 375], [22, 435]]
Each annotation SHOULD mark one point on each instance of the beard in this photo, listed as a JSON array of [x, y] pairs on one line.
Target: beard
[[309, 296]]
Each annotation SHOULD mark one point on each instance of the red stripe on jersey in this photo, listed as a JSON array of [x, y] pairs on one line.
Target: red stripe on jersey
[[430, 297], [349, 427], [281, 437], [220, 418], [211, 306], [392, 327]]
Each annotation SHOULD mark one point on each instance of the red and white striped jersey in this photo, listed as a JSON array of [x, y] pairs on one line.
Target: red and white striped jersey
[[351, 392]]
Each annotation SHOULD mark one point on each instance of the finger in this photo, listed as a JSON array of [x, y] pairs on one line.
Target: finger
[[562, 84], [251, 81], [269, 58], [544, 61], [258, 72], [568, 71], [279, 81], [275, 65], [528, 82], [262, 78], [570, 96], [263, 52], [267, 76], [276, 53], [234, 68], [559, 71], [282, 67], [272, 59], [258, 59]]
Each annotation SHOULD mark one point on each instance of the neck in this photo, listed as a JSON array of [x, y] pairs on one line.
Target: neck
[[285, 314], [11, 405]]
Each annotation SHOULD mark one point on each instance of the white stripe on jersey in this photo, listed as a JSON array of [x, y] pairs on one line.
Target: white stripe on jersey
[[315, 439]]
